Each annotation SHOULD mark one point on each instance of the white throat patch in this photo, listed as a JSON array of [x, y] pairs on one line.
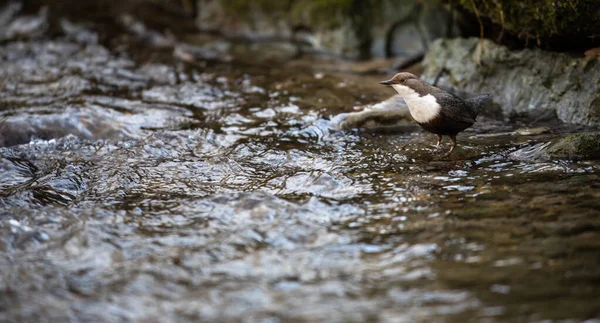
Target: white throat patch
[[422, 108]]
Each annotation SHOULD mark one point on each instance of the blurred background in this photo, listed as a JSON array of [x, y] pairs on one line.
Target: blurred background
[[342, 28], [374, 29]]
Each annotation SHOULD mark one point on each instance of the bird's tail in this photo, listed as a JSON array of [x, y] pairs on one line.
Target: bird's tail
[[475, 103]]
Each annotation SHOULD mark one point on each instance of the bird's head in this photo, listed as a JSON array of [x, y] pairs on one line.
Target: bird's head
[[404, 82]]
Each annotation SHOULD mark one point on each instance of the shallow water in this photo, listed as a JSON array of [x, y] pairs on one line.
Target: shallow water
[[136, 190]]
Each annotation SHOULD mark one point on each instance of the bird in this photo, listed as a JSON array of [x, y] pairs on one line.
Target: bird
[[436, 110]]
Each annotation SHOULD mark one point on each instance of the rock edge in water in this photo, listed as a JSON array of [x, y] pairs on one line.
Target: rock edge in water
[[584, 145], [530, 83]]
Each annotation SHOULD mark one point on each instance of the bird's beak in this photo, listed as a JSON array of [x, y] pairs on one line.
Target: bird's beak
[[388, 82]]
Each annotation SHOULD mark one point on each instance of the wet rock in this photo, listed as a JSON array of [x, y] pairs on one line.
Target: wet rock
[[584, 145], [531, 131], [530, 83], [578, 146]]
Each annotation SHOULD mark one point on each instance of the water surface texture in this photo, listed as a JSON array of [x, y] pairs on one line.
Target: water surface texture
[[153, 190]]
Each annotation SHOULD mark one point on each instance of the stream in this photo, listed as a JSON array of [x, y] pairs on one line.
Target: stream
[[137, 189]]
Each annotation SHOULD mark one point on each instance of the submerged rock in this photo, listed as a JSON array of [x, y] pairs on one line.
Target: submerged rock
[[389, 115], [529, 83], [578, 146]]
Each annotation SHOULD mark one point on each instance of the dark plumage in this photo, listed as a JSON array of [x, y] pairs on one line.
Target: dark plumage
[[436, 110]]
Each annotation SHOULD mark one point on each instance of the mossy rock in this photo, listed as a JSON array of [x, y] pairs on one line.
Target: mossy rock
[[544, 20], [585, 145]]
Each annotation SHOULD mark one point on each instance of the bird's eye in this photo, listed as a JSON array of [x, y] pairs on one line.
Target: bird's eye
[[402, 80]]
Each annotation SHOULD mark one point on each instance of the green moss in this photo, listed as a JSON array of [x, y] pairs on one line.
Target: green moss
[[584, 145], [541, 19]]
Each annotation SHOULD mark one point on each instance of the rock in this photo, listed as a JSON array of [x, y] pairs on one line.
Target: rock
[[529, 83], [585, 145], [531, 153], [347, 28], [565, 24], [578, 146], [531, 131], [390, 115]]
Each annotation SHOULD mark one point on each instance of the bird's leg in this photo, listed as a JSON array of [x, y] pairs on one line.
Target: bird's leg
[[439, 137], [453, 139]]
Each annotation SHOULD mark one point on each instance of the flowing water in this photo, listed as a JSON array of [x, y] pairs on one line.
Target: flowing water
[[153, 190]]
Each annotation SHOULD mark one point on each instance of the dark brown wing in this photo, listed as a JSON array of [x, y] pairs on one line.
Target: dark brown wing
[[453, 107]]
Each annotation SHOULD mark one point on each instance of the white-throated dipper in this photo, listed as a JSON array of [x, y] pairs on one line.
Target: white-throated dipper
[[434, 109]]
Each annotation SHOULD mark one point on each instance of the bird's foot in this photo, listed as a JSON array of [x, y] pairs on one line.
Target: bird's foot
[[439, 142], [453, 140]]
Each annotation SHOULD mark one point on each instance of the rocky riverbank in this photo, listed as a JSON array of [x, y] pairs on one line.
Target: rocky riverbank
[[532, 84]]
